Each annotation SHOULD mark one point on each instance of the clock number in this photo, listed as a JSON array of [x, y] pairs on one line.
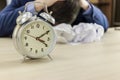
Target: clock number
[[32, 27], [31, 49], [38, 25], [42, 49], [48, 39], [26, 44], [43, 27], [25, 37], [36, 51], [28, 31]]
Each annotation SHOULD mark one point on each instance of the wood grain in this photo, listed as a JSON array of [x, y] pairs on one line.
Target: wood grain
[[92, 61]]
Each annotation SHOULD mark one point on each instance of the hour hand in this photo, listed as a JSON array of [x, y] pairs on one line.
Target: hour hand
[[42, 42]]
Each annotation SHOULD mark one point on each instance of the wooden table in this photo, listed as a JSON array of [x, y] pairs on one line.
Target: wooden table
[[92, 61]]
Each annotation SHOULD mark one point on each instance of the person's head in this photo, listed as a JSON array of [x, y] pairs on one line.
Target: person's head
[[65, 11]]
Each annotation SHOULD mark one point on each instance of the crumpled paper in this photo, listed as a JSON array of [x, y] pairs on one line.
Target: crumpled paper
[[81, 33]]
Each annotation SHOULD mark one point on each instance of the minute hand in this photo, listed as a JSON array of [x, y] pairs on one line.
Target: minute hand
[[44, 34], [36, 38]]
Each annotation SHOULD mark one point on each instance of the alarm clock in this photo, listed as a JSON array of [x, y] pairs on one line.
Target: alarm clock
[[34, 37]]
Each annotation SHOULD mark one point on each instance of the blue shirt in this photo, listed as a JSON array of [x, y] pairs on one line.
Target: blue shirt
[[10, 13]]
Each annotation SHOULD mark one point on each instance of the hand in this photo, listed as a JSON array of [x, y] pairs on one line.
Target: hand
[[49, 3], [38, 39], [42, 41], [43, 34], [84, 4], [35, 38]]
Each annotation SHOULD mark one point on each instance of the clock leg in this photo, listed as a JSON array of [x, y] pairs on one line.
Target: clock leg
[[49, 57], [25, 58]]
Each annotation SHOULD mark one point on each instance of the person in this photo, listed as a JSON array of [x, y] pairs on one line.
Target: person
[[88, 14], [65, 11]]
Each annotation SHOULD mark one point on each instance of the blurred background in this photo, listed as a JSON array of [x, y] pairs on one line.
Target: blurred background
[[110, 8]]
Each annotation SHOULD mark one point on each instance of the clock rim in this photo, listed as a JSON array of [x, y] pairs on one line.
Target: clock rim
[[22, 50]]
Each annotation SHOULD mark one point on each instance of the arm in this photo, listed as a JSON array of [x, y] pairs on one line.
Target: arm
[[10, 13], [91, 14], [8, 18]]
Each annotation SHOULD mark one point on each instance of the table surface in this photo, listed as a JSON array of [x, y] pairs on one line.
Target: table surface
[[92, 61]]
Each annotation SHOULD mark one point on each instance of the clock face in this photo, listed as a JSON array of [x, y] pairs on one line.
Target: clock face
[[37, 39]]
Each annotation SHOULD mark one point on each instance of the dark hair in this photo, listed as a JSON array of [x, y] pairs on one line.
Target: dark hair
[[65, 11]]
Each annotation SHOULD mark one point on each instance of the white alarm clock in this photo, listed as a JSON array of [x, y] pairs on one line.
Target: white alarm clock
[[33, 36]]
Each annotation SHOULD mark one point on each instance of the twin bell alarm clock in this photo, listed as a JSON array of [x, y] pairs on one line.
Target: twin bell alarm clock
[[34, 36]]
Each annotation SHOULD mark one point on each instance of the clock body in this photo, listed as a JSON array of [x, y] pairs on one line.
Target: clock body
[[35, 38]]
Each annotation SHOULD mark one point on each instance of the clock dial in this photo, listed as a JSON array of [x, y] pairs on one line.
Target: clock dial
[[37, 39]]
